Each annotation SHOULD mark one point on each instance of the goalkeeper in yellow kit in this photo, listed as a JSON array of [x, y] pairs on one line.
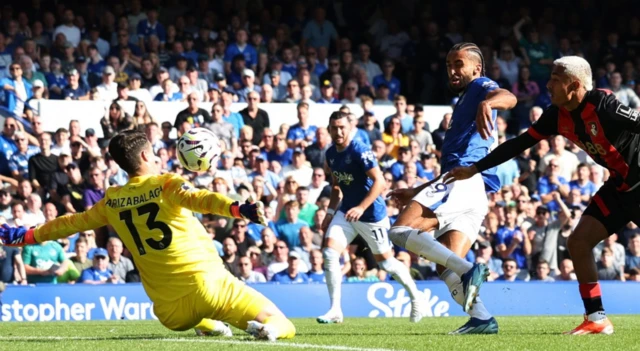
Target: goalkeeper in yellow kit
[[179, 265]]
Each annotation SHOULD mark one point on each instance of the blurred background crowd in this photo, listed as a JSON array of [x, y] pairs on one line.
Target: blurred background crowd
[[338, 52]]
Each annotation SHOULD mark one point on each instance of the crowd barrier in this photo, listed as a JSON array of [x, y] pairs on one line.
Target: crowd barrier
[[373, 300], [58, 113]]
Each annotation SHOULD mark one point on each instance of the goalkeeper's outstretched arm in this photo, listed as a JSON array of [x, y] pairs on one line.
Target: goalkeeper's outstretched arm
[[183, 194], [58, 228]]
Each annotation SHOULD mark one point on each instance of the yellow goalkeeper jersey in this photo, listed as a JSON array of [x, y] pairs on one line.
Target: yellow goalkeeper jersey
[[153, 217]]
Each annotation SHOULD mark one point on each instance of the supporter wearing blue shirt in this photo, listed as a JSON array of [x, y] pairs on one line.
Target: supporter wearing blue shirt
[[229, 116], [100, 272], [262, 170], [168, 97], [302, 134], [282, 154], [75, 90], [388, 79], [397, 169], [400, 102], [7, 145], [292, 274], [316, 272], [56, 80], [319, 32], [19, 161], [16, 90], [587, 187], [151, 26], [289, 227], [5, 58], [511, 242], [241, 47], [550, 183], [507, 172]]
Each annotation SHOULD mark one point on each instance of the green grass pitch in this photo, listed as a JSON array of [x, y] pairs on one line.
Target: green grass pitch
[[516, 333]]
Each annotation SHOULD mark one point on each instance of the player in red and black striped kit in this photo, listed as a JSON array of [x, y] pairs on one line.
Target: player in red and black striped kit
[[610, 133]]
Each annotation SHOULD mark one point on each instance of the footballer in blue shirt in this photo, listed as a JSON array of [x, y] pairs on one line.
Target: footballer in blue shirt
[[357, 186], [455, 211]]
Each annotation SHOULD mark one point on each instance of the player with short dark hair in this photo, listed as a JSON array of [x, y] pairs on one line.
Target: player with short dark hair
[[455, 212], [608, 131], [358, 184], [179, 265]]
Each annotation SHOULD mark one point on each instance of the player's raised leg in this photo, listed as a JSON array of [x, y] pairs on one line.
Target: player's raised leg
[[480, 321], [377, 237], [411, 232], [339, 234], [589, 232]]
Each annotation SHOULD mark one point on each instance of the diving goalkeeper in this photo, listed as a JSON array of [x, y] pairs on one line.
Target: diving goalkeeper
[[179, 265]]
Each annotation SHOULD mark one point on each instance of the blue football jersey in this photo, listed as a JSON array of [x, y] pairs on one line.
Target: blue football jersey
[[463, 145], [350, 168]]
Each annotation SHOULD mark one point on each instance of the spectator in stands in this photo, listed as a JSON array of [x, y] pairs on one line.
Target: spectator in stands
[[12, 268], [118, 264], [606, 269], [542, 272], [42, 165], [108, 90], [632, 259], [566, 271], [29, 73], [116, 121], [511, 242], [371, 68], [80, 260], [405, 258], [327, 93], [280, 152], [99, 273], [279, 261], [232, 117], [193, 114], [230, 258], [95, 188], [223, 130], [510, 269], [292, 274], [419, 134], [19, 161], [358, 272], [246, 272], [568, 161], [293, 92], [289, 227], [624, 94], [239, 235], [44, 262], [75, 90], [319, 32], [70, 31], [306, 245], [316, 270], [254, 116], [536, 54], [141, 115], [485, 254], [307, 208], [315, 153], [583, 184], [616, 248], [393, 137], [71, 192], [16, 89], [34, 208], [299, 169], [387, 78]]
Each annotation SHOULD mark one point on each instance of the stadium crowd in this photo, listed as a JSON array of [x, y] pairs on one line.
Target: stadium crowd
[[299, 52]]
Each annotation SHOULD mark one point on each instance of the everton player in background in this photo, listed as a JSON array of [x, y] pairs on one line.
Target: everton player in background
[[358, 182], [608, 131], [455, 211]]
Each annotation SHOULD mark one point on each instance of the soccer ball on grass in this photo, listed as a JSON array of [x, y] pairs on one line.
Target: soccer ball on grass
[[198, 150]]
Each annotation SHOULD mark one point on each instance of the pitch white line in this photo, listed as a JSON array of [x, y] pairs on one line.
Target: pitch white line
[[196, 340]]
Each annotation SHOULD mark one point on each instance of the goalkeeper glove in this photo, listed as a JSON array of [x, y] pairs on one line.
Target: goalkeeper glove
[[16, 236], [251, 211]]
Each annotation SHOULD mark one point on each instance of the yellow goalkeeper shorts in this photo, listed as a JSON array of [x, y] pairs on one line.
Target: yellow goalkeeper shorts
[[219, 296]]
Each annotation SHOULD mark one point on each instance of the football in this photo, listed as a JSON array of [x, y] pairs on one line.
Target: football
[[198, 150]]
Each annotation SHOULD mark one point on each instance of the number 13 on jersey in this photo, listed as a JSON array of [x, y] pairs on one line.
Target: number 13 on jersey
[[151, 209]]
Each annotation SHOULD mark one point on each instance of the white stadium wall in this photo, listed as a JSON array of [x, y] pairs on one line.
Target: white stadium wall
[[58, 113]]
